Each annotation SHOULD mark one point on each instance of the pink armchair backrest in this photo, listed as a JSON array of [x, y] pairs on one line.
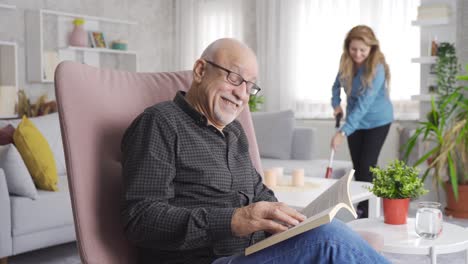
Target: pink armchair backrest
[[95, 107]]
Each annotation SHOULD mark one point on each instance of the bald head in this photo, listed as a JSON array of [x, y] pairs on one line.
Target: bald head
[[215, 91], [228, 47]]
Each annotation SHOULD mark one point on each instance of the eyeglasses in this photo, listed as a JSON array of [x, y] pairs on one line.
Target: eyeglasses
[[236, 79]]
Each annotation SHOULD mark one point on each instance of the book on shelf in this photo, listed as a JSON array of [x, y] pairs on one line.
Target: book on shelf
[[320, 211]]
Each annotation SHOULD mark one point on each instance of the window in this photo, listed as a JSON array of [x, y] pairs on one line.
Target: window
[[320, 44], [299, 44], [198, 23]]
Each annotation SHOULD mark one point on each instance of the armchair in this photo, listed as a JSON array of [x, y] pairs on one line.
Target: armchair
[[95, 107]]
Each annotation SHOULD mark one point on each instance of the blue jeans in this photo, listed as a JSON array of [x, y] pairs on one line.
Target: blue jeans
[[331, 243]]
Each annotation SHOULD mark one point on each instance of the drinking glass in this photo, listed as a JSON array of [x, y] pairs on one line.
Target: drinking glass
[[429, 220]]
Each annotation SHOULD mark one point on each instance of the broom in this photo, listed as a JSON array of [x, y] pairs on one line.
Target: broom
[[328, 174]]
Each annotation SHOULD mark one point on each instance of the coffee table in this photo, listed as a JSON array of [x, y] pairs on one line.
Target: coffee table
[[301, 198], [402, 239]]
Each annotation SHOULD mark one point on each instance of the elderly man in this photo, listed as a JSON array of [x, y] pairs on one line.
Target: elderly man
[[191, 193]]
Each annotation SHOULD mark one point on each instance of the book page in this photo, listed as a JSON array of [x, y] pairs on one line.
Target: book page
[[337, 193], [320, 211]]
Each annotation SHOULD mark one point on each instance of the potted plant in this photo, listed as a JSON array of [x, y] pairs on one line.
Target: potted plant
[[396, 184], [445, 135], [255, 102]]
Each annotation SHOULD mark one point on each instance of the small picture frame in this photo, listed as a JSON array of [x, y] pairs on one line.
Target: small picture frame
[[97, 39]]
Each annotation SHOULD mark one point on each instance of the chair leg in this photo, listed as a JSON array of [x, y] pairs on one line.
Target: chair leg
[[3, 260]]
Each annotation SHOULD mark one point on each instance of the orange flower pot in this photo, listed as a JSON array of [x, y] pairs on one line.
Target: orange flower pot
[[395, 211]]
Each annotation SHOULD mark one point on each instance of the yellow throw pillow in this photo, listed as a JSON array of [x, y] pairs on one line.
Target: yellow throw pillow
[[36, 154]]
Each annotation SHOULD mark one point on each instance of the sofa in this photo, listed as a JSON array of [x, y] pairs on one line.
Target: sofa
[[282, 144], [31, 219]]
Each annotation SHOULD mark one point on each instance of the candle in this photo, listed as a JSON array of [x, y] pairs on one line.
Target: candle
[[270, 178], [298, 177], [279, 174]]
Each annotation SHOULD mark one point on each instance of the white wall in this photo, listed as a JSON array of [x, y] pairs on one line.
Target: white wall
[[462, 32], [152, 38]]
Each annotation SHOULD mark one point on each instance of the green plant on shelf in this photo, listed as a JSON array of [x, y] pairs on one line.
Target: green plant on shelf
[[446, 68]]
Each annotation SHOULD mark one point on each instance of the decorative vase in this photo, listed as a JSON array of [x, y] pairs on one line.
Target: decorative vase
[[395, 211], [78, 37]]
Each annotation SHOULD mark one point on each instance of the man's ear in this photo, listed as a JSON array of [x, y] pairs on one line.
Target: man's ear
[[198, 70]]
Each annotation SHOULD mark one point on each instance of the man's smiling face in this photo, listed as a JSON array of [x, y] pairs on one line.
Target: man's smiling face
[[219, 99], [224, 100]]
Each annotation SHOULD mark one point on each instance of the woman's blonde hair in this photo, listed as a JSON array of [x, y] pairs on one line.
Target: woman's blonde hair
[[347, 67]]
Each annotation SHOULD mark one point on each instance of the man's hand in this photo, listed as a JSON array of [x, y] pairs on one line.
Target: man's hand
[[272, 217]]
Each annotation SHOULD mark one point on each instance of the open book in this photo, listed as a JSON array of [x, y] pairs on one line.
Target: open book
[[319, 212]]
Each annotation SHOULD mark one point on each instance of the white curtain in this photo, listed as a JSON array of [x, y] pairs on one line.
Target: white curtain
[[198, 23], [299, 44]]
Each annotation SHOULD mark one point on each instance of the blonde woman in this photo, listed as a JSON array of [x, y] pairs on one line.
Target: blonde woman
[[365, 76]]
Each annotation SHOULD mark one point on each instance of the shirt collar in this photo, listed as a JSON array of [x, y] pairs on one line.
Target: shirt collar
[[197, 117], [180, 101]]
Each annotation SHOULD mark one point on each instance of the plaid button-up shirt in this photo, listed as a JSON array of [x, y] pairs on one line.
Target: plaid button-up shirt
[[183, 179]]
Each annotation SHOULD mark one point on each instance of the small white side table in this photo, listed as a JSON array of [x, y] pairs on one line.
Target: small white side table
[[402, 239]]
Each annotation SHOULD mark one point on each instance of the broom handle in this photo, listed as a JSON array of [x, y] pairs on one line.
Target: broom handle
[[330, 163]]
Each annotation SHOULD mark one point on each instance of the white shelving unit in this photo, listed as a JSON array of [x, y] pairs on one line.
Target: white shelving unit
[[441, 29], [431, 22], [8, 70], [425, 60], [99, 50], [5, 6], [423, 97], [47, 33]]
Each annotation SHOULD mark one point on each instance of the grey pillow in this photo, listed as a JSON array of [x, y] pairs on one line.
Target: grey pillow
[[274, 133], [18, 179]]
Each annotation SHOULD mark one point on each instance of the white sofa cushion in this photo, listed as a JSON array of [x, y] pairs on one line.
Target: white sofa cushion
[[274, 133], [50, 210], [18, 179], [49, 126]]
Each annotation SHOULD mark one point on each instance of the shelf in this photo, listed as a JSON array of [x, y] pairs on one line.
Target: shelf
[[102, 50], [3, 117], [423, 97], [431, 22], [425, 60], [5, 6], [47, 33], [7, 43], [86, 17]]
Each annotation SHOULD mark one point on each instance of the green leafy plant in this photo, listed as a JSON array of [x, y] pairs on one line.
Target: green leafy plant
[[464, 77], [397, 181], [255, 102], [445, 134], [446, 68]]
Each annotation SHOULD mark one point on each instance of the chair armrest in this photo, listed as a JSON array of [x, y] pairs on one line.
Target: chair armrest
[[5, 218], [303, 144]]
